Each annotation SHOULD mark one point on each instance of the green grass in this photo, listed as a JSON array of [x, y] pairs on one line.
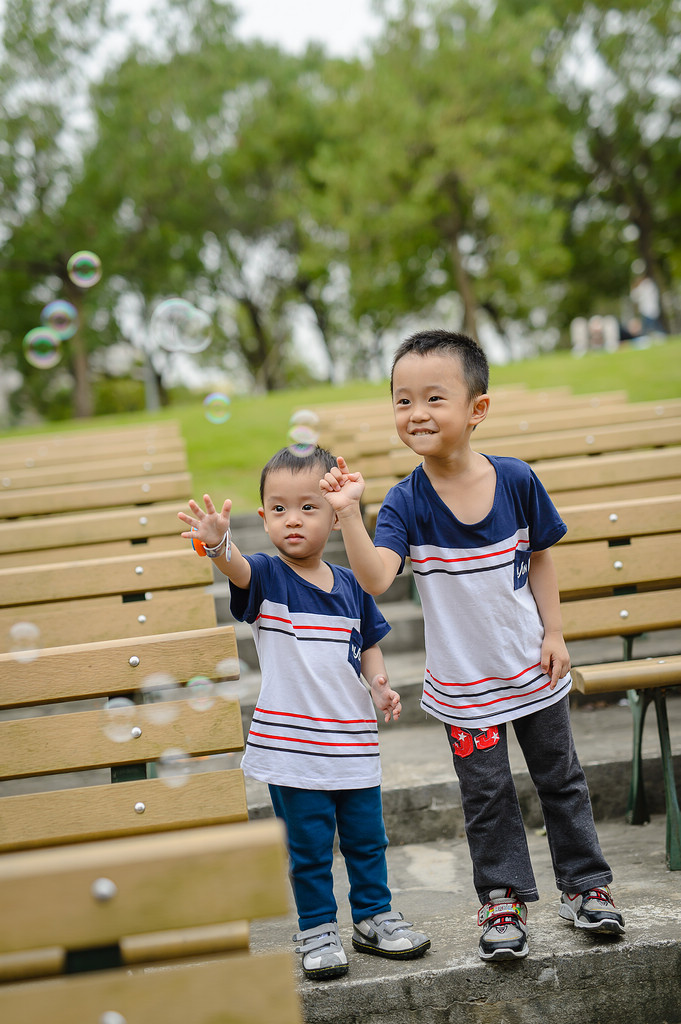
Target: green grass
[[226, 459]]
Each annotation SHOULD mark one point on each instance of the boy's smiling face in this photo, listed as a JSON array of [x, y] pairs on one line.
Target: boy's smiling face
[[434, 415], [296, 516]]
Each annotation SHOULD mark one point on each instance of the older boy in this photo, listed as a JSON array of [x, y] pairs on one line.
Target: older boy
[[314, 736], [478, 529]]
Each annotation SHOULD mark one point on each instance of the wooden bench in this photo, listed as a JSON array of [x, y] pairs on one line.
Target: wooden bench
[[149, 920], [619, 572], [132, 779]]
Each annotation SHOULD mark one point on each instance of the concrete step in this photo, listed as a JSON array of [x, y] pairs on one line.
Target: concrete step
[[569, 976]]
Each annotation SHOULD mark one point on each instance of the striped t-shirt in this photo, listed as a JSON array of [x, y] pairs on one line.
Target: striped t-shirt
[[314, 726], [483, 631]]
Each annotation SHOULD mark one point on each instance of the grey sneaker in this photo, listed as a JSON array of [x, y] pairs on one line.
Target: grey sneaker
[[323, 953], [504, 929], [389, 935], [593, 909]]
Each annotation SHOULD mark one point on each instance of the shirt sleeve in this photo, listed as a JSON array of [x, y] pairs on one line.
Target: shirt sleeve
[[374, 625], [244, 604], [546, 525], [392, 525]]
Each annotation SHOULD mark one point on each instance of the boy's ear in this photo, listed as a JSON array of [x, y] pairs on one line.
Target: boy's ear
[[261, 513], [480, 409]]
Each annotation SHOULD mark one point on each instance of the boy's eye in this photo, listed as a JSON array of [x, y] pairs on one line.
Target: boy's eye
[[435, 398], [402, 401], [278, 508], [308, 507]]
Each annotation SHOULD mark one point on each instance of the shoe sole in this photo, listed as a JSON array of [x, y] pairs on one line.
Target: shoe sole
[[608, 926], [390, 954], [504, 954], [326, 972]]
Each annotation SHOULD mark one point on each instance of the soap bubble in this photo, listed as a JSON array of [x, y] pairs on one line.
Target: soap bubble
[[24, 641], [84, 268], [201, 693], [159, 693], [178, 326], [42, 348], [119, 719], [303, 432], [173, 767], [216, 407], [62, 317]]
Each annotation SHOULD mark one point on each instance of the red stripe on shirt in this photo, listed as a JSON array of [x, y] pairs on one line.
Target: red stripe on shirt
[[309, 718], [277, 618], [487, 679], [314, 743], [469, 558], [497, 700]]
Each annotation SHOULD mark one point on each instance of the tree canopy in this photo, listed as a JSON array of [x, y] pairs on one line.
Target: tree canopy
[[498, 167]]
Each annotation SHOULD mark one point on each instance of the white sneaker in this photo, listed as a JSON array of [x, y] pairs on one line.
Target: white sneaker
[[389, 935], [323, 953]]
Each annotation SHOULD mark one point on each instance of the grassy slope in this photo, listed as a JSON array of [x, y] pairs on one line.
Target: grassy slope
[[226, 459]]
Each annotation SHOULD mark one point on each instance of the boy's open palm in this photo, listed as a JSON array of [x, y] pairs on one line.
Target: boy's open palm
[[341, 488], [209, 526]]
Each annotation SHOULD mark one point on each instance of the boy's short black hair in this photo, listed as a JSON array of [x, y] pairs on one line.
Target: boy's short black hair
[[294, 463], [473, 359]]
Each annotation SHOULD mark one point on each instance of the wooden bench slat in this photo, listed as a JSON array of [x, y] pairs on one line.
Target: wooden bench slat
[[591, 565], [100, 494], [621, 519], [100, 669], [101, 576], [104, 812], [640, 674], [76, 438], [36, 460], [621, 615], [93, 469], [105, 549], [215, 874], [73, 529], [81, 741], [107, 618], [236, 989], [185, 942]]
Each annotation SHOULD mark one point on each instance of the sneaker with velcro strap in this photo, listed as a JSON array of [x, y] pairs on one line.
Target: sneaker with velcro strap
[[389, 935], [503, 920], [593, 909], [322, 950]]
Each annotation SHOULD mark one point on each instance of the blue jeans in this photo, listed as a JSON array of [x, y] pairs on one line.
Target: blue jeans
[[494, 824], [311, 817]]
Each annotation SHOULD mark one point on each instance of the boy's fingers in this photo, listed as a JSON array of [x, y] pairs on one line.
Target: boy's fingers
[[210, 507]]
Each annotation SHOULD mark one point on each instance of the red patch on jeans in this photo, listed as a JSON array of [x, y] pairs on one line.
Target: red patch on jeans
[[462, 741], [487, 739]]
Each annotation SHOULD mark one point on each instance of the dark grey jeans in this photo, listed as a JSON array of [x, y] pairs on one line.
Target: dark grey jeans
[[494, 824]]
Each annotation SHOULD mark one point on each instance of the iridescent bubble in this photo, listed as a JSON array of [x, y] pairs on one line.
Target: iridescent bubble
[[217, 407], [24, 641], [200, 693], [62, 317], [159, 693], [303, 432], [178, 326], [42, 348], [173, 766], [119, 719], [84, 268]]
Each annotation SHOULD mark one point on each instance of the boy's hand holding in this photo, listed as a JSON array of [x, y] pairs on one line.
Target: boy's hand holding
[[210, 526], [385, 698], [341, 488]]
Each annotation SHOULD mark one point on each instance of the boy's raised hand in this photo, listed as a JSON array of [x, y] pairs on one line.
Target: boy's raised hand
[[210, 526], [385, 698], [341, 488]]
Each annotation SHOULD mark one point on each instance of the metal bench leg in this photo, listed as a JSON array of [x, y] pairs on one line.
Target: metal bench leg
[[637, 806], [670, 795]]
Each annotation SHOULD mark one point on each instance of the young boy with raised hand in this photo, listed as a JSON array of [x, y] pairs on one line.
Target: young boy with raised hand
[[314, 735], [478, 529]]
